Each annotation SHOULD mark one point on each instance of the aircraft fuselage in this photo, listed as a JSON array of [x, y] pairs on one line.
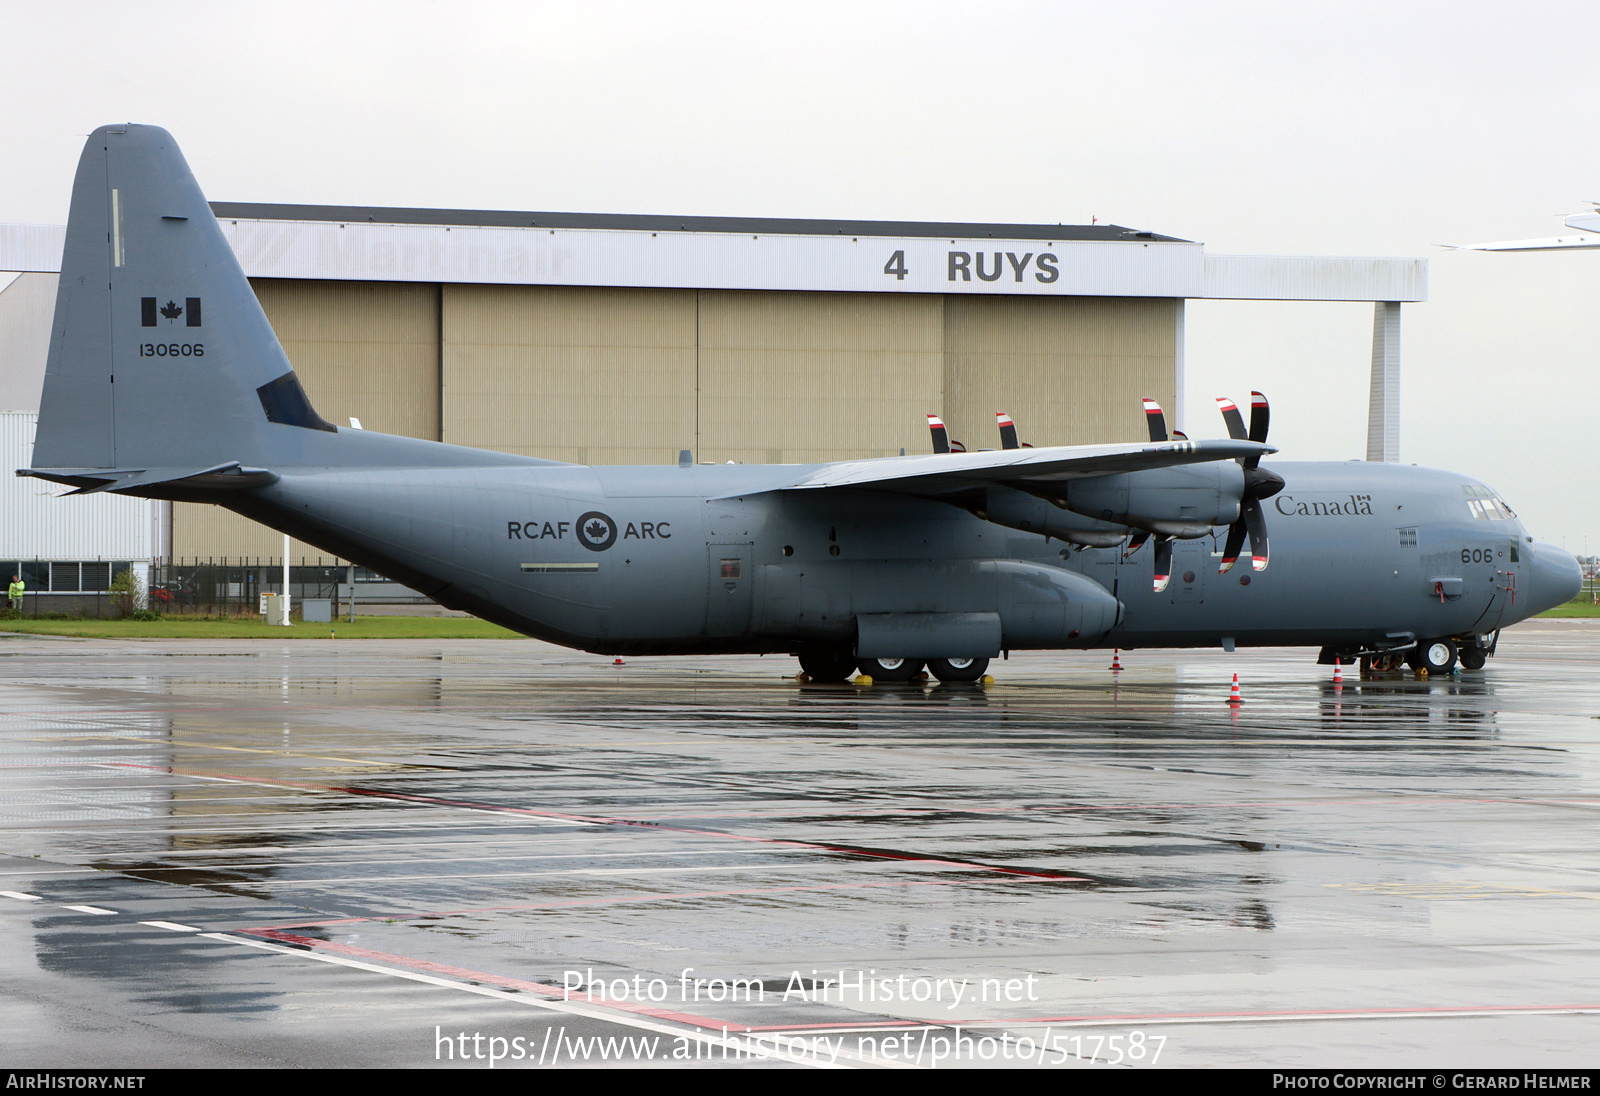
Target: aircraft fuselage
[[708, 558]]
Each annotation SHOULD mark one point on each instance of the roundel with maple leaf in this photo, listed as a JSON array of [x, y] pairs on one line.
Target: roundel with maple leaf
[[596, 531]]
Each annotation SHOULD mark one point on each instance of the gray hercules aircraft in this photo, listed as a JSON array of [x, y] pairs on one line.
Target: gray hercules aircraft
[[166, 381]]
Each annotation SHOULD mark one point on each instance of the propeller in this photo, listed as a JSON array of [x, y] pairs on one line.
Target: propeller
[[1008, 430], [941, 437], [1163, 563], [1259, 483], [1155, 420]]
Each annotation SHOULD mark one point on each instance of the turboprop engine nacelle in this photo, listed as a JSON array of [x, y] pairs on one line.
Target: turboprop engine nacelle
[[1184, 501], [1019, 510]]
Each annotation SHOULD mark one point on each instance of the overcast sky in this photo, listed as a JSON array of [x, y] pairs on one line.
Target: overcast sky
[[1347, 129]]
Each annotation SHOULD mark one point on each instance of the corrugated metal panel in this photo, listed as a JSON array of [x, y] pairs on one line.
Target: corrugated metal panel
[[27, 308], [367, 349], [1314, 278], [39, 525], [799, 377], [203, 531], [593, 376], [1071, 372], [32, 247]]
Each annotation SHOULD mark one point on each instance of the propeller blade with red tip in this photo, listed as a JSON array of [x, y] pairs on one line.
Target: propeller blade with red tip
[[1230, 551], [941, 436], [1260, 416], [1259, 550], [1008, 430], [1163, 563], [1231, 416], [1155, 420]]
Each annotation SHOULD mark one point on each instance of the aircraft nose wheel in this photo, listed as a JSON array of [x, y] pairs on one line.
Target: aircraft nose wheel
[[890, 669], [1437, 656], [957, 669], [1473, 658]]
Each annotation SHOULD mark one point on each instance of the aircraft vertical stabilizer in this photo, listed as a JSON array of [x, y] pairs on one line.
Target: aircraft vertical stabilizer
[[160, 355]]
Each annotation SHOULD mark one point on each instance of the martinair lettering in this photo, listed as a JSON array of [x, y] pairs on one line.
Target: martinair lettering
[[964, 263], [1354, 505]]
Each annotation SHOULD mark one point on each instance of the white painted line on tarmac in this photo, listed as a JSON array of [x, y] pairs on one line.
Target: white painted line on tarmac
[[88, 909], [20, 897], [170, 926], [620, 1018]]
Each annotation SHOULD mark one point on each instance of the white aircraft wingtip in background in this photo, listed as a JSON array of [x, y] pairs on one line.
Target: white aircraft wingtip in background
[[1584, 222]]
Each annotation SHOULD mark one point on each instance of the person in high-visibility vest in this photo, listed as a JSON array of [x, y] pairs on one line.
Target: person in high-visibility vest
[[15, 591]]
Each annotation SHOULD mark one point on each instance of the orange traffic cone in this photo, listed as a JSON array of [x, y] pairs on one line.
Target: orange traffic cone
[[1233, 696], [1116, 660]]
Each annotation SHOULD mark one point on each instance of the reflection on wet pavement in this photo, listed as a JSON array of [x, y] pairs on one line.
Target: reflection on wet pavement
[[378, 839]]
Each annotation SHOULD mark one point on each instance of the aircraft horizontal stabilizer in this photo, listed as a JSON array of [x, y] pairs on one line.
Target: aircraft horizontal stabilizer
[[157, 482]]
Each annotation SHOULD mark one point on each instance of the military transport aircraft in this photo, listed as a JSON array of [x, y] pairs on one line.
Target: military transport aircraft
[[166, 381]]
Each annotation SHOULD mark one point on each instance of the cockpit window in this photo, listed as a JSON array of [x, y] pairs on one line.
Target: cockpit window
[[1485, 504]]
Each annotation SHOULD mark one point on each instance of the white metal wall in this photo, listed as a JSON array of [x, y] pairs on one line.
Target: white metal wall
[[37, 524]]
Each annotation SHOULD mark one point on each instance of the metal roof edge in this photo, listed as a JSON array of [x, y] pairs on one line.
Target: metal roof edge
[[650, 222]]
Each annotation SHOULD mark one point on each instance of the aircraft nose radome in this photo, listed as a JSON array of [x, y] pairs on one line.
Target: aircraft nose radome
[[1556, 578]]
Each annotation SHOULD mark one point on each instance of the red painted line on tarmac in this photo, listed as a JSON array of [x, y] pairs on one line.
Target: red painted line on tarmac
[[1397, 800], [1290, 1014], [664, 896]]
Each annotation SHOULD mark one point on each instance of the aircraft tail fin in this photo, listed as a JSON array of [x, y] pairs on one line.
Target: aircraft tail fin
[[160, 354]]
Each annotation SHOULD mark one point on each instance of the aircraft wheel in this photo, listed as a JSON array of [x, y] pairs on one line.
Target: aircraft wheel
[[1437, 656], [957, 669], [827, 664], [1473, 658], [890, 669]]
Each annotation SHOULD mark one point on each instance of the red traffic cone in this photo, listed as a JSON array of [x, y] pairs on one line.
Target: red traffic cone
[[1338, 673], [1116, 659], [1233, 695]]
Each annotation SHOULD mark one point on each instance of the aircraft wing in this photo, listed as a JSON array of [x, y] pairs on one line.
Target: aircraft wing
[[1025, 469], [1583, 222], [1549, 243]]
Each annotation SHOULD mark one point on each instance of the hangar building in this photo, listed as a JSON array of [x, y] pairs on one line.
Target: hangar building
[[612, 339]]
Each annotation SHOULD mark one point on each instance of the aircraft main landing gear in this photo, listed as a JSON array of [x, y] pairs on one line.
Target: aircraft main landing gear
[[958, 669], [1436, 656], [829, 665], [891, 669]]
